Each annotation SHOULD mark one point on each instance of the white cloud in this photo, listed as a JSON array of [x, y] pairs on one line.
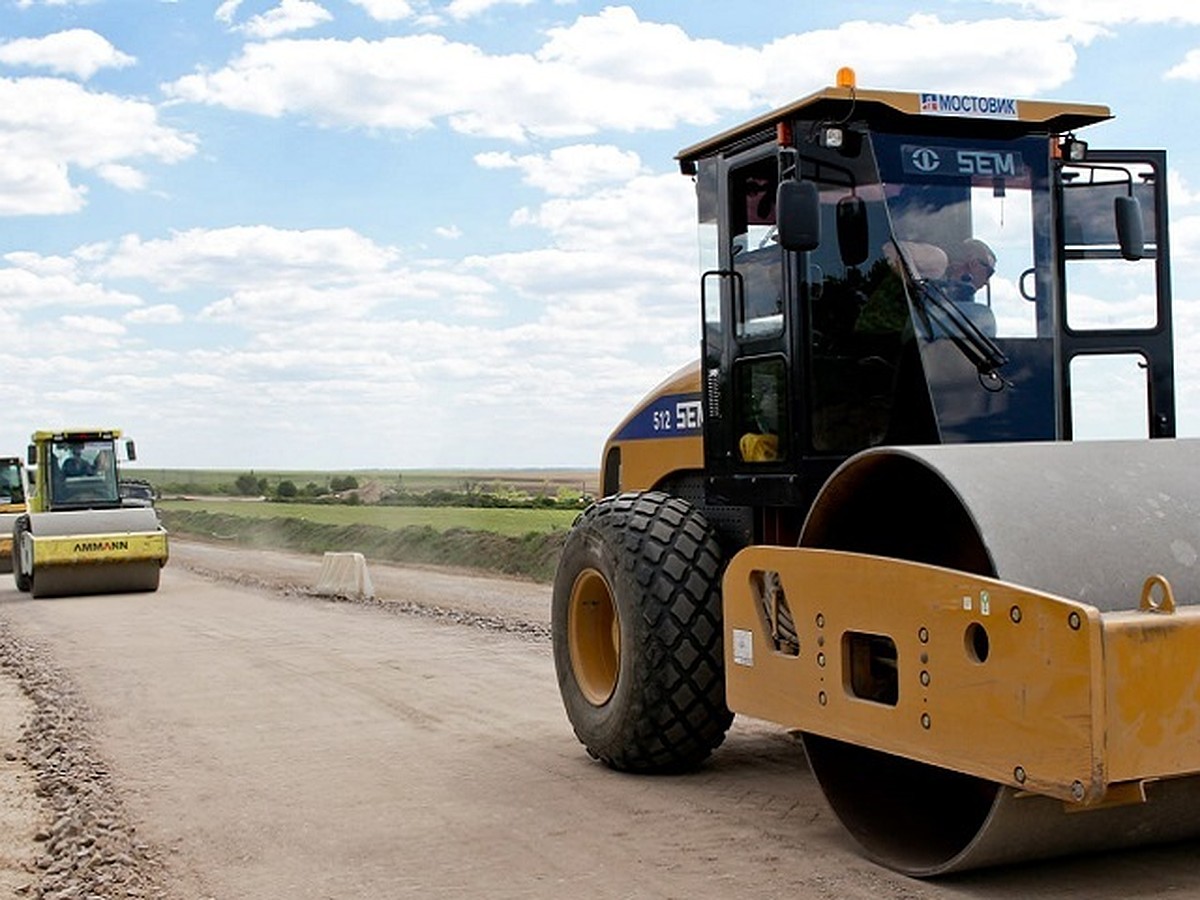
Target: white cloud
[[26, 4], [158, 314], [449, 232], [289, 16], [1188, 70], [78, 51], [999, 56], [245, 255], [1115, 12], [466, 9], [32, 186], [613, 72], [48, 126], [385, 10], [125, 177], [92, 325], [567, 171], [41, 265], [26, 290], [227, 11], [410, 83], [431, 358], [1180, 191]]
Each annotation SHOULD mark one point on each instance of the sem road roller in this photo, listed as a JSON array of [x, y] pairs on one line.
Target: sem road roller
[[79, 536], [920, 500]]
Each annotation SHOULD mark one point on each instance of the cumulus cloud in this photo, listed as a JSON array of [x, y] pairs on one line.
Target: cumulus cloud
[[289, 16], [28, 289], [1114, 12], [996, 56], [78, 51], [385, 10], [404, 351], [242, 255], [49, 126], [566, 171], [227, 11], [466, 9], [614, 72], [92, 325], [412, 82], [26, 4], [1188, 70], [158, 314]]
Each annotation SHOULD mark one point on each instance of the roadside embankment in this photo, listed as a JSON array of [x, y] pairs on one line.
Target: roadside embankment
[[532, 555]]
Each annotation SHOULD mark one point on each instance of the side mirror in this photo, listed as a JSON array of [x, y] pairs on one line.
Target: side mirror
[[1130, 233], [852, 230], [798, 215], [31, 455], [130, 451]]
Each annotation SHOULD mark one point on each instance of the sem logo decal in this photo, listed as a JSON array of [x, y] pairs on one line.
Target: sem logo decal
[[925, 159], [675, 415]]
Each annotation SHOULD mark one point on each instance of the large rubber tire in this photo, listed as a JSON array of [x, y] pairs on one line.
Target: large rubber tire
[[22, 577], [636, 624]]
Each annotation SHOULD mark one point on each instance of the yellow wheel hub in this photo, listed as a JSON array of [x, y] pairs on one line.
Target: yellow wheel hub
[[594, 637]]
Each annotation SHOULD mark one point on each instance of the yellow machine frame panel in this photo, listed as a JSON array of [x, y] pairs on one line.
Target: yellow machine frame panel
[[974, 674], [68, 550]]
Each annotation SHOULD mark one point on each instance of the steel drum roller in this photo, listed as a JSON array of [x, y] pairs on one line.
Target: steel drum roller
[[92, 577], [1087, 521]]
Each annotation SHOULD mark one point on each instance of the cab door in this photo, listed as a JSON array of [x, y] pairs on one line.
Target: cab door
[[1114, 308]]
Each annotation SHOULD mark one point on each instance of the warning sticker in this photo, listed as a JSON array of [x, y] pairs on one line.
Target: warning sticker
[[743, 647]]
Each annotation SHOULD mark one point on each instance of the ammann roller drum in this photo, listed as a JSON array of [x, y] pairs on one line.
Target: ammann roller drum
[[78, 536], [12, 504]]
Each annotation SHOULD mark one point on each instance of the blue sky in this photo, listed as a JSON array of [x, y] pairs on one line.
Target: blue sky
[[419, 233]]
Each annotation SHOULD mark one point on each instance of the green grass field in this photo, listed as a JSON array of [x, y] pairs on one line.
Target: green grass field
[[509, 522], [532, 481]]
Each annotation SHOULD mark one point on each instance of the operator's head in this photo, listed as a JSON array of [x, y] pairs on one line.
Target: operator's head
[[971, 261]]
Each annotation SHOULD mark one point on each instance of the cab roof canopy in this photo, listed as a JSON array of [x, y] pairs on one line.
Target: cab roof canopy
[[948, 114]]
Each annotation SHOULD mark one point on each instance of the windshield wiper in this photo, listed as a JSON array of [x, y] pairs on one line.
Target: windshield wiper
[[937, 309]]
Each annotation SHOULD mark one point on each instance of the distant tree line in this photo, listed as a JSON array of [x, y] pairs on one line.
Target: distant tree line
[[344, 489]]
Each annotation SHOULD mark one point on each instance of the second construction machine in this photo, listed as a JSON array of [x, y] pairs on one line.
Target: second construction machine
[[12, 504], [867, 514], [79, 535]]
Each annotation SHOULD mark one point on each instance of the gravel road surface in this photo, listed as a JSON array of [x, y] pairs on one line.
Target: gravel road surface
[[234, 737]]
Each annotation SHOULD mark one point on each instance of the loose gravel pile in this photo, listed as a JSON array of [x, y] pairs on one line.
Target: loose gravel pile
[[91, 850]]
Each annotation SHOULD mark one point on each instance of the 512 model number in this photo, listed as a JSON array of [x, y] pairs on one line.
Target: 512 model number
[[685, 417]]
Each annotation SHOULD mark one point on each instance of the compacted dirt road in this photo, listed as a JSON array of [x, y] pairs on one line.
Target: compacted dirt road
[[233, 736]]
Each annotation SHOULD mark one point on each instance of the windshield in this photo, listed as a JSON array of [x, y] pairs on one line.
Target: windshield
[[11, 489], [84, 472], [964, 212], [968, 230]]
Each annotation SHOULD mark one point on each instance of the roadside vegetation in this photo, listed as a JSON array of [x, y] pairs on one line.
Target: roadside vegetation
[[512, 523]]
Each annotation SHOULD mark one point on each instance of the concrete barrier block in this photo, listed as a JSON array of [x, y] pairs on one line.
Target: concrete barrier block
[[345, 575]]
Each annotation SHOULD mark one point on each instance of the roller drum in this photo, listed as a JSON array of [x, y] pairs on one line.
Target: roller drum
[[116, 577], [7, 521], [1086, 521]]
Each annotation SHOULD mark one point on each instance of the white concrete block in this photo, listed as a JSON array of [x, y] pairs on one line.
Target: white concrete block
[[345, 575]]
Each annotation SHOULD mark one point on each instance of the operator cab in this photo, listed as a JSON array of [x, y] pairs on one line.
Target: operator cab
[[895, 268], [82, 469]]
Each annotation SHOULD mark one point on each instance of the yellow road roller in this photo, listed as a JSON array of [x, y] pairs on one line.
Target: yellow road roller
[[12, 504], [79, 535], [920, 499]]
